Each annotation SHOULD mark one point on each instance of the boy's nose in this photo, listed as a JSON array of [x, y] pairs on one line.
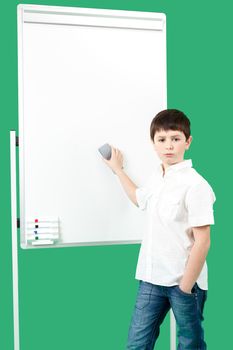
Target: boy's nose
[[169, 146]]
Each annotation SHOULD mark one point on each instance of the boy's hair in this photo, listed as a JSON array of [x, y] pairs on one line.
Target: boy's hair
[[170, 119]]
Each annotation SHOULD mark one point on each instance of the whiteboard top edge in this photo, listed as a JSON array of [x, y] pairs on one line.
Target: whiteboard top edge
[[91, 11]]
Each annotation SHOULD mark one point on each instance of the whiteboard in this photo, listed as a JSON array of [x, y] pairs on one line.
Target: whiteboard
[[85, 77]]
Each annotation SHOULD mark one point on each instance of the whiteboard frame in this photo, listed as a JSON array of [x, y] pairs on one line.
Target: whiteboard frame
[[79, 17], [27, 13]]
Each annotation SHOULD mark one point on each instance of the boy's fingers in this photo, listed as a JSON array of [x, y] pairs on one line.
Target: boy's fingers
[[105, 160], [112, 149]]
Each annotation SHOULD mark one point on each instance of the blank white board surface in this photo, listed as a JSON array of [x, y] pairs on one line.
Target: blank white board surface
[[86, 77]]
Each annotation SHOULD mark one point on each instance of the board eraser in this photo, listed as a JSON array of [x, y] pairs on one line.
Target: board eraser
[[106, 151]]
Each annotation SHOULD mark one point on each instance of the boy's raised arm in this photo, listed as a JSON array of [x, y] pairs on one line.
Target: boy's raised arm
[[116, 164]]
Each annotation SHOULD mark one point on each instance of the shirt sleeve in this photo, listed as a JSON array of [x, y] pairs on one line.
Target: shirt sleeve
[[199, 203], [143, 193]]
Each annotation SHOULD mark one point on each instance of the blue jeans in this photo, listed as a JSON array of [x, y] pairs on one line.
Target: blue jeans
[[152, 304]]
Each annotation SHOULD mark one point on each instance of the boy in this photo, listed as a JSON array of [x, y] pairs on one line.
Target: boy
[[171, 269]]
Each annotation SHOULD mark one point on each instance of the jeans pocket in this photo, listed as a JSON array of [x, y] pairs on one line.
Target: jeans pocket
[[144, 295], [192, 294]]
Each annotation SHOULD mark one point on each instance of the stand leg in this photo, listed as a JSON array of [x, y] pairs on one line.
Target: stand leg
[[172, 331], [14, 239]]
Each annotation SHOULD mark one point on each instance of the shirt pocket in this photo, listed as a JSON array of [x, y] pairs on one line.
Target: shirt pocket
[[171, 208]]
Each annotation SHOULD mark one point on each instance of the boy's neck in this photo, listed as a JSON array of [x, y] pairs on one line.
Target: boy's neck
[[165, 166]]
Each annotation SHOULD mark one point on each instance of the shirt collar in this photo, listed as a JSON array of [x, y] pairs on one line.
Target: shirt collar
[[187, 163]]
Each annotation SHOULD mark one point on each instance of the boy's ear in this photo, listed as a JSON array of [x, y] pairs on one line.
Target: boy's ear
[[188, 142]]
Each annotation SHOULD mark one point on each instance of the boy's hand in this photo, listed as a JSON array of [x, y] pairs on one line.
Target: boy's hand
[[189, 291], [116, 160]]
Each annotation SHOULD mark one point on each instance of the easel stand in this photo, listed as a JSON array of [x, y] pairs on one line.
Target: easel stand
[[13, 145]]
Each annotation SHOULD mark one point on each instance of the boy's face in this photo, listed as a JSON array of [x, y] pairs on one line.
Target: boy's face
[[170, 146]]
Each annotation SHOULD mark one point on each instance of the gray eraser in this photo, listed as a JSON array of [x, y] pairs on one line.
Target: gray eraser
[[106, 151]]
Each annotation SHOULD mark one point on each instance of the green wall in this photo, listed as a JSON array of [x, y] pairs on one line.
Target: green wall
[[83, 297]]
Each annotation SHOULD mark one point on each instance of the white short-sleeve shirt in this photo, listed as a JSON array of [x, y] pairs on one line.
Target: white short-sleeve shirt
[[174, 203]]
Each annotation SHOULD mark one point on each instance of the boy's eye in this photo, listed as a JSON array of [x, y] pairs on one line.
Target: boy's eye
[[176, 139]]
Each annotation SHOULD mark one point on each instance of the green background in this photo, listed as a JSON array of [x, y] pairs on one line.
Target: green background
[[83, 297]]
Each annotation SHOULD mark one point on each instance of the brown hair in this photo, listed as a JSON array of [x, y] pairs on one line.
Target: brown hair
[[170, 119]]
